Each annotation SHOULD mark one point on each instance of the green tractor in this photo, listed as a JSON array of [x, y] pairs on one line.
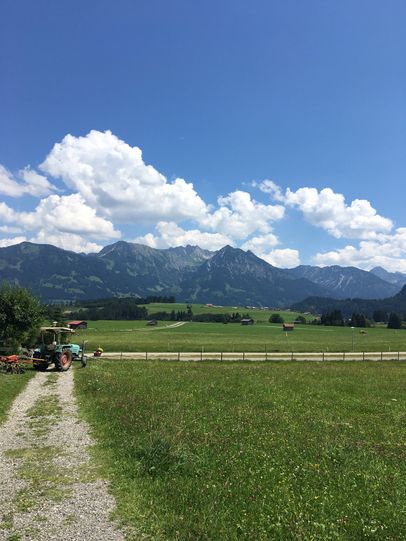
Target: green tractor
[[55, 348]]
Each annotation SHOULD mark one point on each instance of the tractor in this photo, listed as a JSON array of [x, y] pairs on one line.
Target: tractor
[[55, 348]]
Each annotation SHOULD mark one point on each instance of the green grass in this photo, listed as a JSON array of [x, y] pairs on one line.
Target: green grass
[[256, 313], [10, 386], [137, 336], [234, 451]]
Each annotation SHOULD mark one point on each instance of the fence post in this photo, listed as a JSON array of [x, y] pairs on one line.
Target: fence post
[[146, 355], [381, 355], [243, 355], [323, 357], [398, 355], [221, 356], [121, 356], [178, 355], [343, 355], [363, 355]]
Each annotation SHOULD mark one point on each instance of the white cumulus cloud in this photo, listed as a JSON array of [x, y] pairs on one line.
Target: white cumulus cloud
[[328, 210], [270, 187], [8, 185], [33, 183], [11, 241], [67, 241], [388, 251], [112, 177], [70, 214], [238, 216], [170, 235], [261, 244], [65, 221], [285, 258], [66, 214], [263, 247]]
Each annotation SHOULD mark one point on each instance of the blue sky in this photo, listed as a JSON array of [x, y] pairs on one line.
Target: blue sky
[[221, 98]]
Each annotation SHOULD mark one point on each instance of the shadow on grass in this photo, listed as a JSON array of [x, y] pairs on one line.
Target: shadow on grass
[[158, 458]]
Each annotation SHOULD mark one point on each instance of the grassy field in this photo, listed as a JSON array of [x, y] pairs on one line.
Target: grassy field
[[258, 314], [10, 386], [137, 336], [251, 451]]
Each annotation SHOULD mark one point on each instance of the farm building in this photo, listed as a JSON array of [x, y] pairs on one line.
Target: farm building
[[80, 324], [247, 321], [288, 326], [152, 322]]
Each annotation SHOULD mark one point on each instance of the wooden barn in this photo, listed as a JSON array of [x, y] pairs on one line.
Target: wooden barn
[[247, 321], [79, 324], [288, 326]]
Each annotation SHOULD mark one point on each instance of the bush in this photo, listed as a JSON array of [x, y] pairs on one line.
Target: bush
[[380, 316], [332, 318], [276, 318], [21, 315], [394, 321]]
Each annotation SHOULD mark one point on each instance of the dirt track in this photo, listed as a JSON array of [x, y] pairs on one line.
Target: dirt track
[[49, 486]]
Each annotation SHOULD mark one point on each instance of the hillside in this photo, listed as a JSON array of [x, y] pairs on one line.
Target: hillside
[[229, 276], [232, 274], [348, 282], [397, 278], [396, 304]]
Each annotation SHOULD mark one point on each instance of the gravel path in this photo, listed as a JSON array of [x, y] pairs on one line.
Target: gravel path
[[165, 327], [49, 486]]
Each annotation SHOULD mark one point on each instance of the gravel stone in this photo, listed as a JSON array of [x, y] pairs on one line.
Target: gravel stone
[[48, 483]]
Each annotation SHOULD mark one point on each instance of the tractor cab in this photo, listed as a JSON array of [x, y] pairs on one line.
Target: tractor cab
[[56, 348]]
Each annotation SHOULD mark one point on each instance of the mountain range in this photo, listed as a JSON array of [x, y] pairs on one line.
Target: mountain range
[[227, 276], [323, 305]]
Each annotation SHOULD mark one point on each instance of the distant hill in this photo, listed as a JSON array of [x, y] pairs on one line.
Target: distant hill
[[348, 282], [233, 275], [397, 278], [320, 305], [227, 276], [121, 269]]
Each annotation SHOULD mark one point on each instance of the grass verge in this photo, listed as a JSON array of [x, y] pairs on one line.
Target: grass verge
[[10, 386], [251, 451]]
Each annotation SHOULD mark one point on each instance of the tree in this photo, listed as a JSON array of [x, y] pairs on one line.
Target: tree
[[380, 316], [276, 318], [21, 315], [358, 320], [332, 318], [394, 321]]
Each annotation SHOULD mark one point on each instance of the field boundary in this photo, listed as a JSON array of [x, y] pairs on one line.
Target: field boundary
[[261, 356]]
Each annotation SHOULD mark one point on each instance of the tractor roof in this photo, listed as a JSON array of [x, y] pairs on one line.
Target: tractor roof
[[57, 330]]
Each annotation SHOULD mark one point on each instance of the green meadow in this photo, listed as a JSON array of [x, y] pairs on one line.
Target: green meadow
[[259, 314], [256, 451], [193, 337]]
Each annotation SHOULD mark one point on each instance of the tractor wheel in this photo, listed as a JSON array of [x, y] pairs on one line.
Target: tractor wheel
[[41, 367], [63, 360]]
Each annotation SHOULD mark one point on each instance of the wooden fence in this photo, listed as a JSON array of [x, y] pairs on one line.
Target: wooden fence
[[261, 356]]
